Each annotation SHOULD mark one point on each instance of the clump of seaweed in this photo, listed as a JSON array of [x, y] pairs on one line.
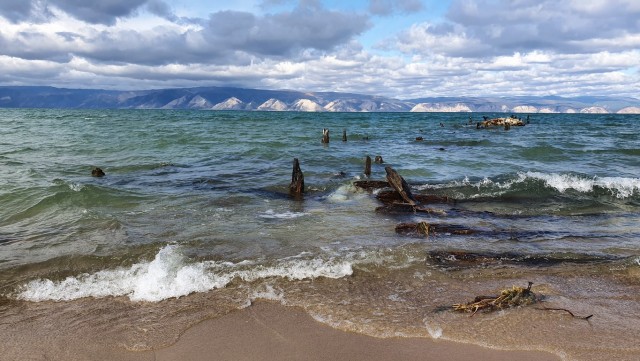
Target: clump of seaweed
[[516, 296]]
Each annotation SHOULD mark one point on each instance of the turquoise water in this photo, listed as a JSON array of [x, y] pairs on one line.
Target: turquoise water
[[195, 202]]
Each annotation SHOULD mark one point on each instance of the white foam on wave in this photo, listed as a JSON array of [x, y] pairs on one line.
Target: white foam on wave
[[271, 214], [434, 331], [170, 275], [619, 187], [345, 193]]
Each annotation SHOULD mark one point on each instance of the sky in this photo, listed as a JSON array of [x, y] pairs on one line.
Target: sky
[[403, 49]]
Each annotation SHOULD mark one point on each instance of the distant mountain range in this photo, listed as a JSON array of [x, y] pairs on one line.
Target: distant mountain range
[[226, 98]]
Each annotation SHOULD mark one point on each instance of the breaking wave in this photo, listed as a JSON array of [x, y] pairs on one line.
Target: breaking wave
[[618, 187], [170, 275]]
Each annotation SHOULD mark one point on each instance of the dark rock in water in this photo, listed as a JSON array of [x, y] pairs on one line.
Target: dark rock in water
[[378, 159], [97, 172], [400, 185], [296, 188]]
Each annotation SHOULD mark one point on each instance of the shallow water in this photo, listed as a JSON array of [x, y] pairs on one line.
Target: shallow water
[[193, 220]]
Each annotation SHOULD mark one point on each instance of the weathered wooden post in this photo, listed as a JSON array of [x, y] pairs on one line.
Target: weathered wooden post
[[367, 166], [400, 185], [325, 135], [344, 135], [296, 188]]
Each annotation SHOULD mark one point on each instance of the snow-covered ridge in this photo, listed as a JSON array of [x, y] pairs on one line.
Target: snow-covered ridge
[[227, 98]]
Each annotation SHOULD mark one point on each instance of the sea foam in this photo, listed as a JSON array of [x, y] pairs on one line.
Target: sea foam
[[170, 275], [619, 187]]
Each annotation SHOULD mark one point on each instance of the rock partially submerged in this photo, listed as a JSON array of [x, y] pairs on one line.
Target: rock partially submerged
[[97, 172], [501, 122]]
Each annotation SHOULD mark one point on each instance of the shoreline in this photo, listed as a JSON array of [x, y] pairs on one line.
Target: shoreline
[[270, 331]]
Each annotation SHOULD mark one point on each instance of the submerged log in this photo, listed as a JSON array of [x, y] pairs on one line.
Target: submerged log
[[371, 184], [296, 188], [325, 135], [388, 197], [426, 229], [367, 166], [97, 172], [400, 185]]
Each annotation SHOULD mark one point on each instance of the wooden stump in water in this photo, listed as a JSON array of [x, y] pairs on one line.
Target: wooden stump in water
[[296, 188], [325, 135], [400, 185], [367, 166]]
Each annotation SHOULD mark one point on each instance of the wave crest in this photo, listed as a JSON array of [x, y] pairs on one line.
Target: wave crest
[[169, 275]]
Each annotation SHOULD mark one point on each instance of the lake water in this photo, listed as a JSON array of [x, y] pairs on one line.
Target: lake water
[[193, 220]]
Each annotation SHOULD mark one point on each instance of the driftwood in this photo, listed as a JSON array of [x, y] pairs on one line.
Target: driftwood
[[408, 208], [388, 197], [325, 135], [296, 188], [367, 166], [97, 172], [516, 296], [400, 185], [565, 310], [371, 184]]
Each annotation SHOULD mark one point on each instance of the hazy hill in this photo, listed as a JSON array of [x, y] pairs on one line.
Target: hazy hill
[[227, 98]]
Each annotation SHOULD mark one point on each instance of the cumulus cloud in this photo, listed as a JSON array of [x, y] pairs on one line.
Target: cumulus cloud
[[94, 12], [481, 47]]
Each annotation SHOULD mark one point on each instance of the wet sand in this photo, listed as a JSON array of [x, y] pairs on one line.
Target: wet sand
[[263, 331], [268, 331]]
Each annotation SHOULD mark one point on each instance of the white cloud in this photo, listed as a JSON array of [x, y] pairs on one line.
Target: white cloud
[[483, 47]]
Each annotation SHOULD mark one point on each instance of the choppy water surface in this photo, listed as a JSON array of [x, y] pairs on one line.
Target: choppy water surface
[[193, 220]]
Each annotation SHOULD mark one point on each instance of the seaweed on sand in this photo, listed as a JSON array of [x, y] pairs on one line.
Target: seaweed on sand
[[516, 296]]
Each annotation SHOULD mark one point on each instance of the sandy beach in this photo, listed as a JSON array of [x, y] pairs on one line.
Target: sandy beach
[[267, 331], [263, 331]]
